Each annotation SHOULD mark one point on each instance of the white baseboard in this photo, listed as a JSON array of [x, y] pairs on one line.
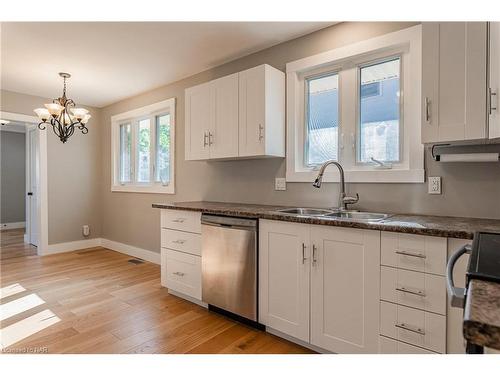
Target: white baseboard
[[297, 341], [133, 251], [188, 298], [65, 247], [17, 225]]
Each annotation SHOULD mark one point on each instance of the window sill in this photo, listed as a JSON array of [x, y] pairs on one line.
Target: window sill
[[152, 189], [414, 176]]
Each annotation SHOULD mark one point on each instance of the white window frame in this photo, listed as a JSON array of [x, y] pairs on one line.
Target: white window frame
[[133, 117], [408, 44]]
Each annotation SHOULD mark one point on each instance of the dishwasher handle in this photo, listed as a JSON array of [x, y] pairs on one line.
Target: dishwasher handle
[[456, 294]]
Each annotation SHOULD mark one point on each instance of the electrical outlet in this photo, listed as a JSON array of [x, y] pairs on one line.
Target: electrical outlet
[[280, 184], [86, 230], [434, 185]]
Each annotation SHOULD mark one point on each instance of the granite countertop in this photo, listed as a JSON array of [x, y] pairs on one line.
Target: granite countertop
[[482, 314], [442, 226]]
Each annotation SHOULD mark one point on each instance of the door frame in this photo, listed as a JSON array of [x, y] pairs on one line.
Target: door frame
[[42, 201]]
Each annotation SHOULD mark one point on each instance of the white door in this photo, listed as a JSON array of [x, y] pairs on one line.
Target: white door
[[252, 111], [197, 114], [345, 289], [454, 81], [32, 187], [224, 127], [494, 84], [284, 271]]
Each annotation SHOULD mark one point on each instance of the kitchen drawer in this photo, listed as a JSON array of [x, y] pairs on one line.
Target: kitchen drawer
[[391, 346], [182, 241], [414, 252], [183, 273], [412, 326], [415, 289], [188, 221]]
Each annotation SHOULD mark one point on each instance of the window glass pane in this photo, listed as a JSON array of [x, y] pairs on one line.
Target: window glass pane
[[143, 150], [163, 149], [322, 118], [379, 112], [125, 152]]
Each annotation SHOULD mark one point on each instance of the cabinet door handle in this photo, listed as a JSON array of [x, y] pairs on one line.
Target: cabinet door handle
[[179, 220], [261, 135], [491, 101], [304, 253], [427, 110], [404, 289], [314, 254], [406, 327], [180, 242], [210, 139], [179, 273], [205, 139], [410, 254]]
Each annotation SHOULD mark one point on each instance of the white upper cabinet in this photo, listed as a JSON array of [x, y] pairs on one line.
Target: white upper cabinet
[[262, 115], [454, 81], [240, 115], [223, 132], [345, 289], [494, 80]]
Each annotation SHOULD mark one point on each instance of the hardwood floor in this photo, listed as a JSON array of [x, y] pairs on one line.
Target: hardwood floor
[[95, 301], [12, 244]]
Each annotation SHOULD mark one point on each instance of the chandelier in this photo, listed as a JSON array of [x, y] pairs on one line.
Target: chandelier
[[58, 115]]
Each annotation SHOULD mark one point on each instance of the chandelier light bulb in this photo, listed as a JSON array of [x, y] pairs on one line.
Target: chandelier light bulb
[[79, 113], [54, 109], [85, 118], [42, 113]]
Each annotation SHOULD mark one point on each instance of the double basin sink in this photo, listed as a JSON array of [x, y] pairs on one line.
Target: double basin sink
[[334, 214]]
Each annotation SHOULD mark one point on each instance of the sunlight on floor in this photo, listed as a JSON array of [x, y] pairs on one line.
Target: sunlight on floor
[[10, 290], [19, 305], [24, 328]]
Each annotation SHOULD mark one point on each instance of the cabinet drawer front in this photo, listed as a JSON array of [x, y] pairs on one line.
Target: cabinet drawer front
[[414, 252], [416, 327], [182, 241], [415, 289], [188, 221], [391, 346], [183, 273]]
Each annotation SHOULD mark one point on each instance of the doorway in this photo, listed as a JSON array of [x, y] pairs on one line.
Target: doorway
[[28, 236]]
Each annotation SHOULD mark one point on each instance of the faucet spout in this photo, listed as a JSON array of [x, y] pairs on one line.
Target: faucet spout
[[344, 200]]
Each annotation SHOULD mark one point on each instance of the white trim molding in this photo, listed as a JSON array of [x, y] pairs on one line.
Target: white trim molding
[[133, 251], [406, 43], [66, 247], [16, 225], [132, 117]]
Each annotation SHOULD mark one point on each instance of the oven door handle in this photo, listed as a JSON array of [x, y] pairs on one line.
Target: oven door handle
[[455, 294]]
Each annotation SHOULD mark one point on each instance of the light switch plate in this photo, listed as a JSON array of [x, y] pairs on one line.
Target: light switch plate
[[434, 185], [280, 184]]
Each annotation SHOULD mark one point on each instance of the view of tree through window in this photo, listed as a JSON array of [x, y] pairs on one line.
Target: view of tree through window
[[143, 150], [379, 112], [322, 119], [163, 149]]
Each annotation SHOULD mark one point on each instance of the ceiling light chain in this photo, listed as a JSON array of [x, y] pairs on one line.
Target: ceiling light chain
[[57, 114]]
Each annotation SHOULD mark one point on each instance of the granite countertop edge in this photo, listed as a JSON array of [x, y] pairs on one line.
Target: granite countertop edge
[[440, 226]]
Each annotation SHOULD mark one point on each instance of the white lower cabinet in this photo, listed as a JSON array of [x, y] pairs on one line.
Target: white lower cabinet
[[390, 346], [321, 284]]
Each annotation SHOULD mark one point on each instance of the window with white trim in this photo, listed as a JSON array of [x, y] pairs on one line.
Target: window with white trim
[[359, 105], [143, 143]]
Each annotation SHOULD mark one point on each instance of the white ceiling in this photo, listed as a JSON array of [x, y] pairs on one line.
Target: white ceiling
[[112, 61]]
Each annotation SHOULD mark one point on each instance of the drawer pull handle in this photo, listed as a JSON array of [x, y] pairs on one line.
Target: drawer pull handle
[[179, 273], [180, 242], [406, 327], [403, 289], [409, 254], [180, 220]]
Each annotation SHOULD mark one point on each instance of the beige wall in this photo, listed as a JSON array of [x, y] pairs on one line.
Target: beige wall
[[12, 177], [74, 173], [129, 218]]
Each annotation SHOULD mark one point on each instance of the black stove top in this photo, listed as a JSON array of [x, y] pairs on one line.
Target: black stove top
[[484, 262]]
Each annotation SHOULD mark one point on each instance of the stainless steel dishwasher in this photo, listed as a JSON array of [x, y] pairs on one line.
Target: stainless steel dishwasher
[[229, 264]]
